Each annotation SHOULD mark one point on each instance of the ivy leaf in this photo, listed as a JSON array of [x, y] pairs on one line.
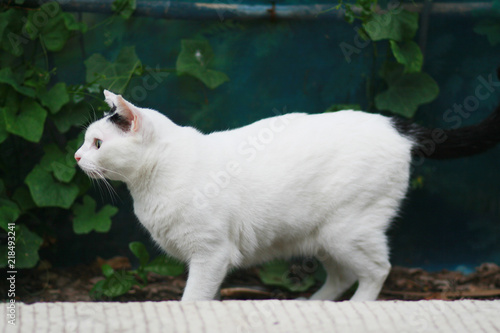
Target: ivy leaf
[[340, 107], [396, 26], [9, 212], [489, 28], [277, 273], [124, 7], [72, 24], [12, 39], [406, 91], [47, 191], [28, 123], [87, 219], [195, 58], [408, 54], [61, 164], [139, 250], [27, 245], [118, 284], [113, 76], [55, 98], [23, 198], [107, 270], [70, 115], [8, 77], [164, 265], [57, 30]]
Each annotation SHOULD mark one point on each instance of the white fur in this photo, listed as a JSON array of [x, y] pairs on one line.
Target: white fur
[[324, 185]]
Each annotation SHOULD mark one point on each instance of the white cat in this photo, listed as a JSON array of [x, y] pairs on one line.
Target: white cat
[[324, 185]]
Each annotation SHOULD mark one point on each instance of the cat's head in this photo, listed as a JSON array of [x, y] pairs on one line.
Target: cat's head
[[115, 144]]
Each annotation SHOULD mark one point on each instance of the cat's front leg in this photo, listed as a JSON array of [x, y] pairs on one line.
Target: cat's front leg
[[206, 273]]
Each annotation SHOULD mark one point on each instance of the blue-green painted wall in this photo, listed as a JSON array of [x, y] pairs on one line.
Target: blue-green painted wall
[[453, 219]]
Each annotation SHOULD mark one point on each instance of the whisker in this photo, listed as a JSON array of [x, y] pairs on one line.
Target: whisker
[[116, 173], [111, 190]]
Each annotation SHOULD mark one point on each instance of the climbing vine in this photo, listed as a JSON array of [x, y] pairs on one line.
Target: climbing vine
[[41, 118], [407, 86]]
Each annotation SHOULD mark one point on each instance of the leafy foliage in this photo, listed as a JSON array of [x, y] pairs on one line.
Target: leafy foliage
[[116, 75], [119, 282], [87, 219], [278, 273], [398, 26], [406, 91], [195, 59], [407, 86], [124, 7], [40, 118]]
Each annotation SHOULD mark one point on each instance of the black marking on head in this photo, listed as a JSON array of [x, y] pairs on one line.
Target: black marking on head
[[120, 121], [111, 111]]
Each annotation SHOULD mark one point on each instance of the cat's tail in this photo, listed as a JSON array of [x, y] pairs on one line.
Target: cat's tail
[[439, 143]]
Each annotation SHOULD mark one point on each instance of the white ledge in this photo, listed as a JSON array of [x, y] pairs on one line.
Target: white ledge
[[256, 316]]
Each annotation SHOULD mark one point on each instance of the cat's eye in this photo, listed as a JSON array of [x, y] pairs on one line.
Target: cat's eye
[[97, 143]]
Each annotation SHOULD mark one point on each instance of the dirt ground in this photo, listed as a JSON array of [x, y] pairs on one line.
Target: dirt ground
[[48, 284]]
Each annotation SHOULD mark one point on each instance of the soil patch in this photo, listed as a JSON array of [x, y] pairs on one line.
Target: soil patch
[[50, 284]]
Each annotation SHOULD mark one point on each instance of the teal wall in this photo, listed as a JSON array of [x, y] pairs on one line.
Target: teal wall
[[454, 219]]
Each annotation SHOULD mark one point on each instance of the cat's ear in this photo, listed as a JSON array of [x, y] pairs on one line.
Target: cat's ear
[[129, 113], [110, 98]]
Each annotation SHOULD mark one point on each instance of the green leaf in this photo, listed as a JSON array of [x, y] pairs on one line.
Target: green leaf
[[27, 245], [277, 273], [340, 107], [87, 219], [113, 76], [9, 212], [28, 123], [62, 164], [405, 91], [124, 7], [8, 77], [23, 198], [47, 191], [107, 270], [119, 283], [70, 115], [164, 265], [56, 30], [97, 290], [408, 54], [139, 250], [12, 39], [489, 28], [72, 24], [398, 26], [55, 98], [195, 58]]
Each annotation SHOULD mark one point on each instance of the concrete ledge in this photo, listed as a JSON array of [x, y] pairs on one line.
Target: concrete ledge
[[256, 316]]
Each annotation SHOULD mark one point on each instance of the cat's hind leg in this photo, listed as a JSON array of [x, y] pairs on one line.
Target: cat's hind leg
[[371, 268], [363, 254], [368, 259], [338, 280]]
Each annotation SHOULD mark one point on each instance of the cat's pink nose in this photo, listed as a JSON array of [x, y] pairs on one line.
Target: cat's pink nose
[[77, 158]]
